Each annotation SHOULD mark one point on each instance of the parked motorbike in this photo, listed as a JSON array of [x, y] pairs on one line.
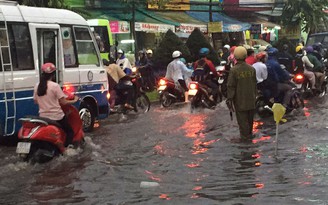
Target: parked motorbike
[[263, 105], [41, 139], [222, 79], [200, 96], [169, 92], [140, 101]]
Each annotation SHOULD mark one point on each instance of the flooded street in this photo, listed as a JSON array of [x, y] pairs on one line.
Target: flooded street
[[195, 159]]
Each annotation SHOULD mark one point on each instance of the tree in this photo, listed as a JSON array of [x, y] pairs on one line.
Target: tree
[[196, 41], [169, 43], [297, 12], [58, 4]]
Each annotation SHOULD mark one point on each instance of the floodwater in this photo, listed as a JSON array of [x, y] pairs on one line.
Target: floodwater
[[194, 158]]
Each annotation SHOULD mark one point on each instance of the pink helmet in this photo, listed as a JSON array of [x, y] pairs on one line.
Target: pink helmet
[[48, 68]]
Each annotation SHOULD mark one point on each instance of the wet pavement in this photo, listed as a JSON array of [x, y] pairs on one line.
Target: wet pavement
[[195, 159]]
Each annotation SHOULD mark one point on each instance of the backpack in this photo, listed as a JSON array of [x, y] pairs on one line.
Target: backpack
[[299, 66], [200, 73]]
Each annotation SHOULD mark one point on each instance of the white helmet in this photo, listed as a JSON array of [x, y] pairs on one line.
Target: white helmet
[[120, 51], [176, 54], [149, 51], [227, 47]]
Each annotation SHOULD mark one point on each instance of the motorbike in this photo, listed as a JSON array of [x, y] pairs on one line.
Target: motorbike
[[169, 92], [263, 106], [42, 139], [222, 79], [140, 101], [200, 96]]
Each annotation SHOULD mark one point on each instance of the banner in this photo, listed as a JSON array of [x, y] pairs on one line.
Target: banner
[[187, 5], [215, 27], [290, 33], [188, 28], [256, 3], [153, 28], [119, 26]]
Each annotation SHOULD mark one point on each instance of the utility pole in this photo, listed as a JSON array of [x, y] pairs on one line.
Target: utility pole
[[133, 30]]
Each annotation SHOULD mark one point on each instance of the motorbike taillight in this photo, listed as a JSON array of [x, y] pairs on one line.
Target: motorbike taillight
[[299, 78], [162, 82], [193, 86]]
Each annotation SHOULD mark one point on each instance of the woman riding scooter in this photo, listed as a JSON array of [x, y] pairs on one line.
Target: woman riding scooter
[[49, 96]]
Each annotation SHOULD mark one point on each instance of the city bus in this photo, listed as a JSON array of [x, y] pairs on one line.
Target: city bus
[[103, 35], [30, 37]]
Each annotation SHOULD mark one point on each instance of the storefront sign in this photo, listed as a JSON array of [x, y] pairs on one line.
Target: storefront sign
[[187, 5], [234, 27], [119, 27], [215, 27], [188, 28], [290, 33], [153, 28], [256, 3], [255, 29]]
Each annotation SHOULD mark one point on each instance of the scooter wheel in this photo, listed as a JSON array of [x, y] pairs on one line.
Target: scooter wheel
[[165, 99]]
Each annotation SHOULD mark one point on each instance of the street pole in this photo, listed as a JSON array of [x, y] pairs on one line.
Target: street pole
[[133, 30], [211, 20]]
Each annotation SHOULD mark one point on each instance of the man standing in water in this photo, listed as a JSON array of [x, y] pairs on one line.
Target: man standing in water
[[242, 93]]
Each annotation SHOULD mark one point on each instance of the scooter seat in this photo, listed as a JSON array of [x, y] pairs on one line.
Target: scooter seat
[[47, 120]]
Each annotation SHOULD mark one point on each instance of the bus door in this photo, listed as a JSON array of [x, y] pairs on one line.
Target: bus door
[[46, 49]]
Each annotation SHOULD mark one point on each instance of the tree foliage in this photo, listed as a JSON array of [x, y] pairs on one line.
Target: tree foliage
[[58, 4], [169, 43], [310, 12], [196, 41]]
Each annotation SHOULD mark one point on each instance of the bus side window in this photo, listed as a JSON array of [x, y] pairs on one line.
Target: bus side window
[[20, 47], [86, 50], [68, 47]]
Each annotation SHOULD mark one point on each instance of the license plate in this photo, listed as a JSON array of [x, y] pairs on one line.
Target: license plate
[[299, 86], [23, 147], [192, 92], [162, 87], [220, 81]]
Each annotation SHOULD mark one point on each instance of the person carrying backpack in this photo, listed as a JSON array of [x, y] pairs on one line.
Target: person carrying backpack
[[303, 65], [202, 72]]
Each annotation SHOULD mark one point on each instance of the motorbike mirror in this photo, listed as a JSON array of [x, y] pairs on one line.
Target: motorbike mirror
[[105, 62]]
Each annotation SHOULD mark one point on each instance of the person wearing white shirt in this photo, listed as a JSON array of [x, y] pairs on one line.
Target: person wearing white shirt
[[175, 71]]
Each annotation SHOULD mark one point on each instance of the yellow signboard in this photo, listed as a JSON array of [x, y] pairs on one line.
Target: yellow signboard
[[215, 27], [182, 5], [290, 33]]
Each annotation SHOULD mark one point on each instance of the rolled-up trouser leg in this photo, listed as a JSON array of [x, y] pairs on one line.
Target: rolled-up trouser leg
[[245, 122], [310, 75]]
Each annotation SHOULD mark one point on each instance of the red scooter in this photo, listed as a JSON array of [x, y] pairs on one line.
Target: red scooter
[[41, 139]]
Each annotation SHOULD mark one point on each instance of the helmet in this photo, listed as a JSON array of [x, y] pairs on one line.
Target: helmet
[[149, 51], [285, 47], [261, 55], [183, 60], [226, 46], [298, 49], [120, 51], [262, 48], [240, 53], [272, 51], [48, 68], [204, 51], [317, 46], [141, 52], [232, 49], [309, 49], [176, 54]]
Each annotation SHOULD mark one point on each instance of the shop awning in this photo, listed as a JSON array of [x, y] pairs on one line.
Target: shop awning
[[141, 15], [229, 24]]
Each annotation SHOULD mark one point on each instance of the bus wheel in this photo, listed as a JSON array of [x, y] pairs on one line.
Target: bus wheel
[[88, 117]]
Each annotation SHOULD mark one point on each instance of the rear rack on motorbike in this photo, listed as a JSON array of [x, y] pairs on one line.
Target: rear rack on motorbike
[[33, 120]]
